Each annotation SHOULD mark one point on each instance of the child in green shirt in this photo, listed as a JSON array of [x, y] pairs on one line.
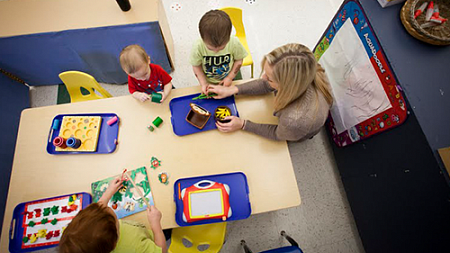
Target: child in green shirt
[[97, 229], [216, 58]]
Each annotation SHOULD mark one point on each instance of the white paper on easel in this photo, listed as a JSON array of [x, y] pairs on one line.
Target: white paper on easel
[[357, 90]]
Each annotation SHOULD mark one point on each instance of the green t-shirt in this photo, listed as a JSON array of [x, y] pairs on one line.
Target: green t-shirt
[[217, 66], [135, 238]]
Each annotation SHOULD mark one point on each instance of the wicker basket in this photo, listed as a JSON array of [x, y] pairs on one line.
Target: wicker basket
[[437, 35]]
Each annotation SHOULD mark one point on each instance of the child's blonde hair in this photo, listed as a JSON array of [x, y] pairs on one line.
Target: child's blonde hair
[[93, 229], [295, 69], [132, 58]]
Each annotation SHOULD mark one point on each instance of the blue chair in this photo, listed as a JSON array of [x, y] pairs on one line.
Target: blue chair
[[294, 248]]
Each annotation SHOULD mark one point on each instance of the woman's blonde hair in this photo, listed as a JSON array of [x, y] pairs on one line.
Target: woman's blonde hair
[[295, 69], [132, 58]]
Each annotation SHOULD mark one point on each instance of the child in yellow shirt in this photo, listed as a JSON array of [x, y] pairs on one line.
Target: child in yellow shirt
[[217, 57], [97, 229]]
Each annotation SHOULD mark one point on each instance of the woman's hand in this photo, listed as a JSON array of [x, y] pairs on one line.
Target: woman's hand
[[234, 125], [222, 91]]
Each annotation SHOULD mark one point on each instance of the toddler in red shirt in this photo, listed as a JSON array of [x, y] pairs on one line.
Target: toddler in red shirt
[[144, 77]]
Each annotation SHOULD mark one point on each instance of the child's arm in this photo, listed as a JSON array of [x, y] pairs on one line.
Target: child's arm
[[154, 218], [113, 187], [198, 71], [166, 92], [234, 71]]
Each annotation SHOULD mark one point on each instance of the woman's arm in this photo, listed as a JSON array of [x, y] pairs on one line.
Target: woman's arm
[[255, 87]]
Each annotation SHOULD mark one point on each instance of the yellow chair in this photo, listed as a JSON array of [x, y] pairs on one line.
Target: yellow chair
[[236, 19], [206, 238], [74, 80]]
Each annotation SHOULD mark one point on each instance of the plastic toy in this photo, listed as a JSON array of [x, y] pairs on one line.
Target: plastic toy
[[163, 178], [81, 133], [204, 96], [221, 112], [206, 200], [198, 116]]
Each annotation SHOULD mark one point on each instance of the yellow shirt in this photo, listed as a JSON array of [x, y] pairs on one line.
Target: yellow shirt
[[217, 65], [135, 238]]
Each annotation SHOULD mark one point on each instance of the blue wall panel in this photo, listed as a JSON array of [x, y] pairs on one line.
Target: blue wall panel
[[14, 97], [39, 58]]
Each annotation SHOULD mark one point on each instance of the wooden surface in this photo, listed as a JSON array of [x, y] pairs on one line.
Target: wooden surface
[[37, 174], [445, 156], [20, 17]]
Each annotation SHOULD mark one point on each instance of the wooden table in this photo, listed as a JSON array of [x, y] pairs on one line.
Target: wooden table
[[37, 174], [38, 16]]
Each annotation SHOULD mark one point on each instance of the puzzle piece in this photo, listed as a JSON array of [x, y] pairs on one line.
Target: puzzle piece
[[41, 233], [38, 212], [49, 235], [54, 221], [64, 209], [43, 221], [31, 224], [47, 211], [25, 239], [56, 234], [55, 210], [155, 163], [33, 238]]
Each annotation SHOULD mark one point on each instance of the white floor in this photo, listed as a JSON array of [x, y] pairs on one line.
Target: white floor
[[323, 222]]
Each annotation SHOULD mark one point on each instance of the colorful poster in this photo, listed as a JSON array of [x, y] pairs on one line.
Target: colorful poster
[[367, 98]]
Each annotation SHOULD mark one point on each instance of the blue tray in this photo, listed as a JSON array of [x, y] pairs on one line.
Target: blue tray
[[16, 230], [106, 140], [179, 107], [239, 199]]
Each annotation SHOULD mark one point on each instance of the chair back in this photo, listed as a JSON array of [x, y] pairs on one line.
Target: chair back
[[75, 80], [236, 19], [207, 238]]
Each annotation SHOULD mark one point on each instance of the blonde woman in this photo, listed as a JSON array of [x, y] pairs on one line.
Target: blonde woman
[[302, 95]]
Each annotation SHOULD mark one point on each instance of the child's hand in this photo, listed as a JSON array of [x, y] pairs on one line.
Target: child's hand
[[235, 124], [154, 216], [141, 96], [115, 185], [222, 91], [226, 81], [205, 88], [163, 96]]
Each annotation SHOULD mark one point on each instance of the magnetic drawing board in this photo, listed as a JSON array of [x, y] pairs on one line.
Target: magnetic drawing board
[[238, 197], [206, 203], [84, 128], [127, 200], [40, 224], [367, 98]]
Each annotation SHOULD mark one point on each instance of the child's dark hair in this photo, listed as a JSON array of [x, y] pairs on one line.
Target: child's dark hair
[[94, 229], [215, 28]]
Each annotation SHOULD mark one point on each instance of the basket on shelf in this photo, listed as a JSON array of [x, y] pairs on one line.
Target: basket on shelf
[[436, 35]]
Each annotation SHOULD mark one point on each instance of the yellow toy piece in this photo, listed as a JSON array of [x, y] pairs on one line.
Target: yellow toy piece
[[208, 234], [81, 127], [74, 197], [74, 80], [33, 238], [236, 19], [41, 233]]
